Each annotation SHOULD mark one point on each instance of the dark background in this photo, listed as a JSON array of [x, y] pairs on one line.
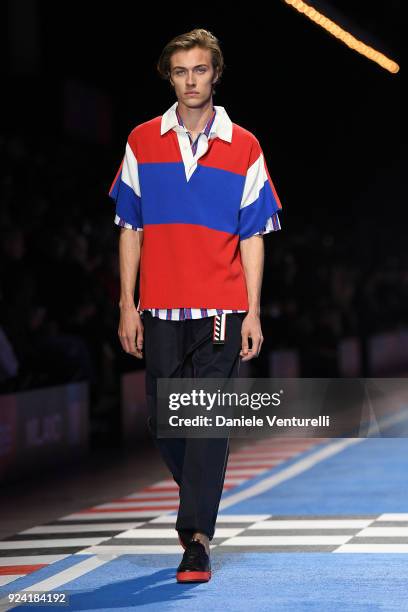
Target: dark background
[[77, 77]]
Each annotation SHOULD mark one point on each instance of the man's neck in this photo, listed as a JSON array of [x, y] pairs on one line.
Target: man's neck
[[195, 119]]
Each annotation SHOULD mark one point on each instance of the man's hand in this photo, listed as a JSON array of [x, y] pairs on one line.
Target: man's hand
[[131, 331], [251, 328]]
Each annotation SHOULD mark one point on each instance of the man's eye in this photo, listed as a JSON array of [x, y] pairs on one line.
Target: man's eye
[[178, 72]]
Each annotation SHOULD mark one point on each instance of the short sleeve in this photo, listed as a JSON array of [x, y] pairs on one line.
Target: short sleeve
[[125, 191], [260, 204]]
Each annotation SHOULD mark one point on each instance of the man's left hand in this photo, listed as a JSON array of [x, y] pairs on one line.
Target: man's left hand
[[251, 328]]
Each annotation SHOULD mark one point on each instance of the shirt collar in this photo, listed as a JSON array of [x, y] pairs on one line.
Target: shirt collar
[[222, 125]]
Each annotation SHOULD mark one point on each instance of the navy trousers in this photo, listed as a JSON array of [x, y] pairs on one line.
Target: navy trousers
[[198, 465]]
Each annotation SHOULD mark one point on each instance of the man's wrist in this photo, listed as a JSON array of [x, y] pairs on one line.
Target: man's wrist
[[126, 303], [255, 310]]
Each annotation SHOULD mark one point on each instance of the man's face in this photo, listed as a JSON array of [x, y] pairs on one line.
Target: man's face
[[192, 71]]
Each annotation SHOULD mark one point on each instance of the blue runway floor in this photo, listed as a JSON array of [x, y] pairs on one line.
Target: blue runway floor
[[250, 581], [369, 477], [289, 551]]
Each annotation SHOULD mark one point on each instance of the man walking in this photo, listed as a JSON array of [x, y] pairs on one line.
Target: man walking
[[193, 199]]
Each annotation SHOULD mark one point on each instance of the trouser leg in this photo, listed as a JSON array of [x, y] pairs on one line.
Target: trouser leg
[[205, 459], [164, 346]]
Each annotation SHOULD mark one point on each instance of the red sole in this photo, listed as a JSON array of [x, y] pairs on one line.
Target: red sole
[[193, 576]]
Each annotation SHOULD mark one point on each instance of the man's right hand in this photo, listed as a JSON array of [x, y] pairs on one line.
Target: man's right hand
[[131, 331]]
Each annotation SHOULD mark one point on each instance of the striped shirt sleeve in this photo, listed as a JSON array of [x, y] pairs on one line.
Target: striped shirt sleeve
[[125, 191], [260, 204]]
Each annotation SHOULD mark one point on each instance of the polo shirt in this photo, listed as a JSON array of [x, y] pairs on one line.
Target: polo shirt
[[194, 201]]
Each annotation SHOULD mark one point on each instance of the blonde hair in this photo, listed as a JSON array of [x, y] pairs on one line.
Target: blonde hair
[[195, 38]]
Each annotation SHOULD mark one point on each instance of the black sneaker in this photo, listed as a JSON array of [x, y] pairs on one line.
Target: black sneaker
[[195, 565]]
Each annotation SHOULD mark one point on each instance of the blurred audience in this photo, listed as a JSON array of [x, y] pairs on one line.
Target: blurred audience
[[59, 276]]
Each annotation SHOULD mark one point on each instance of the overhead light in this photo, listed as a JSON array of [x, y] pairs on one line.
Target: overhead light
[[345, 37]]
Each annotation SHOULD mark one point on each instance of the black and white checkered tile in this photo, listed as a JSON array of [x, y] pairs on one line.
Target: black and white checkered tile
[[386, 533], [140, 523]]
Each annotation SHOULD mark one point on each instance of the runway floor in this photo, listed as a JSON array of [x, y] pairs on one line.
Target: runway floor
[[304, 524]]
